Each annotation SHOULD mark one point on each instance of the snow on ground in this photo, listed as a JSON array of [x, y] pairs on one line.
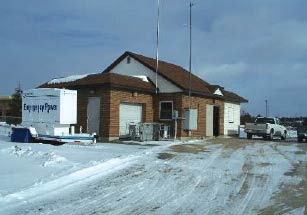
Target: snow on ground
[[197, 177]]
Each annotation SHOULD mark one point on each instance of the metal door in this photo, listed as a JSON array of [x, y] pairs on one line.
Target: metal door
[[93, 115], [216, 121]]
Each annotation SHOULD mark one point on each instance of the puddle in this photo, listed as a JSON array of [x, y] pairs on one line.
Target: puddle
[[165, 156], [189, 148]]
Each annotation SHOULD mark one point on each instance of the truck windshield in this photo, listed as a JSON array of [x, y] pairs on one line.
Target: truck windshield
[[264, 120]]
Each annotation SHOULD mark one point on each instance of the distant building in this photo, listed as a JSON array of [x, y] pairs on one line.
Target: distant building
[[4, 105]]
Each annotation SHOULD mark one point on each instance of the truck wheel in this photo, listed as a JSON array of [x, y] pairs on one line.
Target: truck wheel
[[299, 139], [284, 136], [271, 135], [249, 136]]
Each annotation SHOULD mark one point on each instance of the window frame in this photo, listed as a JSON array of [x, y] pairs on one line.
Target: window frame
[[160, 102]]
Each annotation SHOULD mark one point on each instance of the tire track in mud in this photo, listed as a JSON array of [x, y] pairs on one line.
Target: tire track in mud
[[161, 186], [256, 186], [291, 197], [165, 189], [246, 193]]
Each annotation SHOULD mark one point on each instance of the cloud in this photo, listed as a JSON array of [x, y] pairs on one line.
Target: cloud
[[255, 48], [225, 70]]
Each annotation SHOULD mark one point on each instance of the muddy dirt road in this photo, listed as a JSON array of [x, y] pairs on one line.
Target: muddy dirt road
[[221, 176]]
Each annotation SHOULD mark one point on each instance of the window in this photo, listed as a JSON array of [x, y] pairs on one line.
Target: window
[[128, 60], [166, 110], [263, 120]]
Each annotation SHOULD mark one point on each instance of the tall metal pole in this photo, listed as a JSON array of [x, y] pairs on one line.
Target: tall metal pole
[[190, 61], [157, 46]]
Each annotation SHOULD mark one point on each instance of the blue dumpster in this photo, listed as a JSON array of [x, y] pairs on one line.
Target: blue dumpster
[[21, 135]]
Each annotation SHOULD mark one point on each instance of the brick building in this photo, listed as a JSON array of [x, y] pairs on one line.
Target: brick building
[[125, 92]]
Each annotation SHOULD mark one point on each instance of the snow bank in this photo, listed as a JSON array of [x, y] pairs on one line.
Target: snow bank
[[73, 179], [5, 129], [292, 133], [45, 158], [242, 133]]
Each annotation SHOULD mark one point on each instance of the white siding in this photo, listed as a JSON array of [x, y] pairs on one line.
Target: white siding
[[134, 68], [209, 120], [231, 118]]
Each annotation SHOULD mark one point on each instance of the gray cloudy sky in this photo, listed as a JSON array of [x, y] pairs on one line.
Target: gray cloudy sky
[[257, 48]]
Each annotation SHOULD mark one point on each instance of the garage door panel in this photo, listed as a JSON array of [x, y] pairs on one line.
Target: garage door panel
[[128, 113]]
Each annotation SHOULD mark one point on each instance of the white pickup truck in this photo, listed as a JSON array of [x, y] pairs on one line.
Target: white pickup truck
[[267, 127]]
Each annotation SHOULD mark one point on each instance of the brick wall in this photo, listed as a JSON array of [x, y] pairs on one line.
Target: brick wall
[[181, 102], [83, 95], [111, 99], [109, 108], [200, 103], [176, 98]]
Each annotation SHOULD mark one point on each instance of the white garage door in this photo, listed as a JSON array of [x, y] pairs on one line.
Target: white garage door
[[128, 113]]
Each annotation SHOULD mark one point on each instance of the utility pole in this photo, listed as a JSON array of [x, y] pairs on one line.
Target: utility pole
[[266, 108], [190, 60]]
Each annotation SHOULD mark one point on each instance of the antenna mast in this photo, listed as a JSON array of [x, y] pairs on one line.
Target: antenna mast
[[157, 46]]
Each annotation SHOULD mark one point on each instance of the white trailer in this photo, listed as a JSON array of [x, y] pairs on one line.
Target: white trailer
[[50, 115]]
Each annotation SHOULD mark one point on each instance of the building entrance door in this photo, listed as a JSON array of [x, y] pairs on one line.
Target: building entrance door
[[93, 115]]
